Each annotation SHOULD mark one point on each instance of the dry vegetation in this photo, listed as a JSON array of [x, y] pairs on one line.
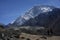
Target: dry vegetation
[[37, 37], [11, 34]]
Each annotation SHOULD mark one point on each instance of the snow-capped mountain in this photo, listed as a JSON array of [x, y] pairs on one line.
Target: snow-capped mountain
[[41, 16], [34, 12], [44, 15]]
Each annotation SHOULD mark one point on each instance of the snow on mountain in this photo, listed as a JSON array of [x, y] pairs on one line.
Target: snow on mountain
[[46, 9], [38, 15]]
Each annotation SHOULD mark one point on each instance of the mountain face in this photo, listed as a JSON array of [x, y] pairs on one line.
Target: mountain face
[[45, 16], [39, 16], [31, 14]]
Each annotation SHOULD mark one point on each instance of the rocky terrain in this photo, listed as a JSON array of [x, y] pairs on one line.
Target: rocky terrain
[[27, 34]]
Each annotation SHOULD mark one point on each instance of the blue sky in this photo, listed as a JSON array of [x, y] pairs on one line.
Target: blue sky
[[11, 9]]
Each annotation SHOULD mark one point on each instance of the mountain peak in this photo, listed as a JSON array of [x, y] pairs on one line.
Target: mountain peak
[[35, 11]]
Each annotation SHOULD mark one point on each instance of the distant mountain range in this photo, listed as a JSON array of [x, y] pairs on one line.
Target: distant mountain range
[[2, 25]]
